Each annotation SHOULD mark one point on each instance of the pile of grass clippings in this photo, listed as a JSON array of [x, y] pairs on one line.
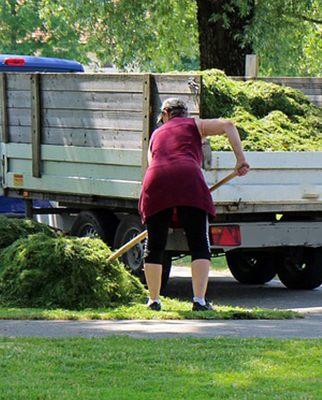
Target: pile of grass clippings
[[51, 271], [12, 229], [269, 117]]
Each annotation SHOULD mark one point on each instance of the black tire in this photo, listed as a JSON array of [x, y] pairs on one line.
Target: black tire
[[300, 267], [251, 267], [128, 228], [96, 224]]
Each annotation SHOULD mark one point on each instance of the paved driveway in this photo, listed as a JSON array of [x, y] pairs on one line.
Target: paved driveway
[[307, 328], [225, 290]]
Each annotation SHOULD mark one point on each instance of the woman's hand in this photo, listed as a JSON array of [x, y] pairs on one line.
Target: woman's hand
[[242, 168]]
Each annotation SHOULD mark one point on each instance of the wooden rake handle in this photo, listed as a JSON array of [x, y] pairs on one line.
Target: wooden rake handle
[[127, 246], [223, 181]]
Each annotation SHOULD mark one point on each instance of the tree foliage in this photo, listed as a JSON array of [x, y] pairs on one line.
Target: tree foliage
[[164, 35], [287, 35], [222, 25], [149, 35], [27, 28]]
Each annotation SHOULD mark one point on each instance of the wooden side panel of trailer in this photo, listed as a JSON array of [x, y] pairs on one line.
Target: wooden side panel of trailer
[[84, 134]]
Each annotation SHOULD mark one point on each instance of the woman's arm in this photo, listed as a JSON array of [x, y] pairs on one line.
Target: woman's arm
[[211, 127]]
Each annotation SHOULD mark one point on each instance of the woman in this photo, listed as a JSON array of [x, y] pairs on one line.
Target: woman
[[174, 182]]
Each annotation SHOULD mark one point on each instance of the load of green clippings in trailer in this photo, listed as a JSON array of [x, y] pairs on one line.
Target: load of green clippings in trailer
[[269, 117]]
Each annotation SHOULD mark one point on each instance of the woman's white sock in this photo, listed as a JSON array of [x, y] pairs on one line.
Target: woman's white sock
[[199, 300], [151, 301]]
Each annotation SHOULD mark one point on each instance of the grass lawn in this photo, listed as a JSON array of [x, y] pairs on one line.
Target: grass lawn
[[216, 263], [123, 368], [172, 309]]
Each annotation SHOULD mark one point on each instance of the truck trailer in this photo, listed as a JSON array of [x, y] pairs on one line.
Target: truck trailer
[[80, 141]]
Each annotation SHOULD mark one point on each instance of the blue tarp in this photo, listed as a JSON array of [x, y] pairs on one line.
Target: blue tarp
[[9, 205]]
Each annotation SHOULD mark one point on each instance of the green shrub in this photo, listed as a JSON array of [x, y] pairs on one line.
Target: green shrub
[[12, 229], [71, 273], [269, 117]]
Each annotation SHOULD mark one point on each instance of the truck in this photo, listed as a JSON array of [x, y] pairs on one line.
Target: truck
[[81, 140]]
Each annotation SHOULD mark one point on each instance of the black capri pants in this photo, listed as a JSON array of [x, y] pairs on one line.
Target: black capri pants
[[195, 224]]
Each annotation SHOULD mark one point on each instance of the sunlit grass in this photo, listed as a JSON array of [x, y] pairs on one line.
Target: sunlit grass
[[217, 263], [172, 309], [122, 368]]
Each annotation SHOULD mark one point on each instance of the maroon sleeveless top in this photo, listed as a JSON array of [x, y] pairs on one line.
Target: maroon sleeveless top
[[174, 177]]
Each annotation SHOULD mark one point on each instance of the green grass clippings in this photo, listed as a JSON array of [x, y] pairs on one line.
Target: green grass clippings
[[269, 117], [64, 272], [12, 229]]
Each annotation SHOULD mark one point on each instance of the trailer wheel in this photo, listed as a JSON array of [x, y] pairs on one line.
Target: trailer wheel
[[251, 267], [301, 268], [128, 228], [95, 224]]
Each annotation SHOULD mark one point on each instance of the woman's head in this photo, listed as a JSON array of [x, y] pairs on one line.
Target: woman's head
[[173, 107]]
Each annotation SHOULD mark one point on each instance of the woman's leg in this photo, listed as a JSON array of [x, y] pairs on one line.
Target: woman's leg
[[157, 227], [200, 274], [195, 224], [153, 275]]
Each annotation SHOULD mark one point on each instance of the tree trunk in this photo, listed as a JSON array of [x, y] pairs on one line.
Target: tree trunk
[[219, 48]]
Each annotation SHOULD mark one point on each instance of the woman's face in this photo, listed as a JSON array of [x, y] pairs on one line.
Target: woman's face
[[165, 116]]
